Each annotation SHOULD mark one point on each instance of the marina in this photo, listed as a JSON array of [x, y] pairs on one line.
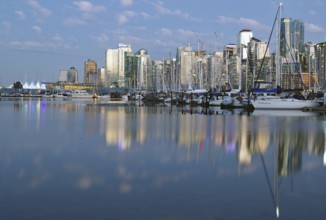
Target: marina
[[108, 112]]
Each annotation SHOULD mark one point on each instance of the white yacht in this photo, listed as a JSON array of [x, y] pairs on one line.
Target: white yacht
[[62, 95], [287, 103], [81, 93]]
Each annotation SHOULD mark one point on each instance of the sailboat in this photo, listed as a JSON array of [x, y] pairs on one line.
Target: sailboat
[[275, 101]]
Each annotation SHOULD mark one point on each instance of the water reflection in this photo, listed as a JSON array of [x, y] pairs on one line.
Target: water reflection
[[126, 126], [152, 160]]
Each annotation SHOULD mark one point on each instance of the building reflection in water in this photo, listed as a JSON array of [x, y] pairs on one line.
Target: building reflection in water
[[157, 145], [243, 135], [127, 126], [118, 131]]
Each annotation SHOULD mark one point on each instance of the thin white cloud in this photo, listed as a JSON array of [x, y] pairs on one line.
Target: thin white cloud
[[120, 31], [44, 11], [144, 15], [313, 28], [88, 7], [38, 29], [20, 15], [125, 16], [126, 2], [186, 33], [57, 38], [161, 9], [122, 19], [166, 32], [37, 46], [247, 22], [25, 44], [130, 13], [132, 39], [161, 43], [102, 38], [74, 22]]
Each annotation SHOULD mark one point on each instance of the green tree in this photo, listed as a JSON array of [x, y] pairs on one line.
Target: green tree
[[17, 85]]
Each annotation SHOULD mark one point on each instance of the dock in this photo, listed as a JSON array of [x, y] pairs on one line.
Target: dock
[[320, 109]]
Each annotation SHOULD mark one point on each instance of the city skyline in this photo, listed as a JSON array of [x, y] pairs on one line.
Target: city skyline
[[38, 38]]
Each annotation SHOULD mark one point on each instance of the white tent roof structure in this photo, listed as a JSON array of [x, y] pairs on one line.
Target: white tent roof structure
[[32, 85]]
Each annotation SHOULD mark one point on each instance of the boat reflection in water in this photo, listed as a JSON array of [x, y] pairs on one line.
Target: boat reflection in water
[[76, 160]]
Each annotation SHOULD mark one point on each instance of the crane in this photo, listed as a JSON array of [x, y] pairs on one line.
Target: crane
[[215, 35], [201, 43]]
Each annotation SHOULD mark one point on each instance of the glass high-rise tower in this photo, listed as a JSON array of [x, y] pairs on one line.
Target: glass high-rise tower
[[291, 37]]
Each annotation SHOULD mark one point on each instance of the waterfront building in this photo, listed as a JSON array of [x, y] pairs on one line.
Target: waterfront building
[[214, 69], [258, 52], [123, 49], [185, 67], [164, 73], [111, 65], [320, 50], [297, 36], [309, 65], [158, 76], [63, 75], [72, 75], [291, 51], [170, 68], [285, 36], [115, 64], [244, 37], [90, 71], [229, 51], [102, 78], [230, 64], [291, 37], [131, 70], [200, 78], [145, 77]]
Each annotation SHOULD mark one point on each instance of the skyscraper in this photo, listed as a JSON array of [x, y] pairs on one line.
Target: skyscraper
[[111, 65], [285, 36], [144, 78], [90, 71], [291, 37], [72, 75], [244, 38], [298, 36], [115, 64], [123, 49], [185, 62], [63, 75], [101, 76]]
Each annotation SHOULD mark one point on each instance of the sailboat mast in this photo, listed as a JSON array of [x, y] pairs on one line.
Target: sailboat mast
[[163, 77], [278, 42]]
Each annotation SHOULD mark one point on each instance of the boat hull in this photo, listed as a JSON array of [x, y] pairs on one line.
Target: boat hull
[[291, 104]]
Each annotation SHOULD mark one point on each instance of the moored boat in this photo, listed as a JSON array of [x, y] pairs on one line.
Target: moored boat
[[81, 93], [288, 103]]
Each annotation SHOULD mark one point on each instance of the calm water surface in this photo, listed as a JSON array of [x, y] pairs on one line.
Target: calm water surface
[[80, 160]]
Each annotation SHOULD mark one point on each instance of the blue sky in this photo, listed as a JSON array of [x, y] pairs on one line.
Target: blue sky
[[40, 37]]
